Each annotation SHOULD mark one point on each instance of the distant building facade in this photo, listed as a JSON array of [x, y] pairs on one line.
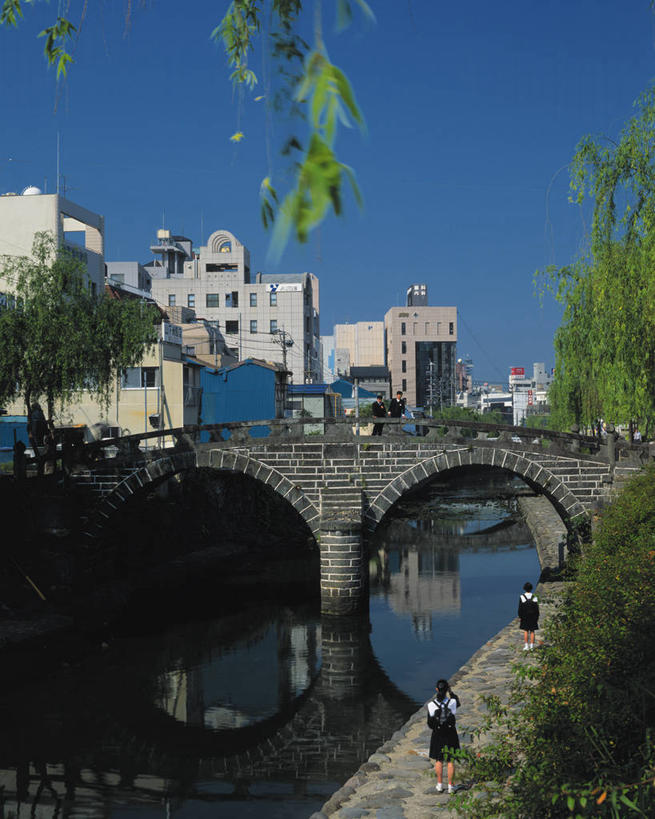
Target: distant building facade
[[266, 316], [420, 345], [78, 230], [358, 345]]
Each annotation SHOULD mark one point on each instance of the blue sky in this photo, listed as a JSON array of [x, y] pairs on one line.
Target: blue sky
[[473, 111]]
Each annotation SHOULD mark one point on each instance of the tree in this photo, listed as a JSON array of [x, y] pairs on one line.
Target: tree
[[57, 338], [577, 739], [311, 85], [605, 346]]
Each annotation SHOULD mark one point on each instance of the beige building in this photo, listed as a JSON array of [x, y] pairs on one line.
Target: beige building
[[358, 345], [421, 345], [255, 314], [166, 382], [80, 231]]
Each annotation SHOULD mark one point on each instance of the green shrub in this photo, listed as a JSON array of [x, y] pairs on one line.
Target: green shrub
[[581, 744]]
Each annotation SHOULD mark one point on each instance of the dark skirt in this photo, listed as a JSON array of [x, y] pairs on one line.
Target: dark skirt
[[529, 623], [443, 738]]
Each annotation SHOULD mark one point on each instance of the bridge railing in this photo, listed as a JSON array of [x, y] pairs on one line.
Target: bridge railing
[[139, 447]]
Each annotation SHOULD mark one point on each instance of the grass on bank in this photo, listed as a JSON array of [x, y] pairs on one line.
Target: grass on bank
[[582, 742]]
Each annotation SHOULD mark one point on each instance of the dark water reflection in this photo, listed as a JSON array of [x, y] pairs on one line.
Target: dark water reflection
[[264, 712]]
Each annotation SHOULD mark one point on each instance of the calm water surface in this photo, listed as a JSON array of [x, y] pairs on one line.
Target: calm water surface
[[258, 713]]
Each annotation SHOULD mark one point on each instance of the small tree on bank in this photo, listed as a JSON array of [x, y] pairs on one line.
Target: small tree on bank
[[58, 338]]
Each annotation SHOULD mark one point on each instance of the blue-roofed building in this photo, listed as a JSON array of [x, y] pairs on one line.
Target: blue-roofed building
[[315, 400], [250, 390]]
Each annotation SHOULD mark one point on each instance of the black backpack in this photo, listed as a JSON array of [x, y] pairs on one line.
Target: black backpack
[[530, 607], [443, 717]]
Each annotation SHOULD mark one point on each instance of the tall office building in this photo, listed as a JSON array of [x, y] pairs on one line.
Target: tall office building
[[420, 343]]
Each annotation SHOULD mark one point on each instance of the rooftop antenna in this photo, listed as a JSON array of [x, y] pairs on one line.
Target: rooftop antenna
[[202, 228], [163, 219]]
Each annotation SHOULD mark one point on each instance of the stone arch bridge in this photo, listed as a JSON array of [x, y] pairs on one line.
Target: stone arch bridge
[[342, 484]]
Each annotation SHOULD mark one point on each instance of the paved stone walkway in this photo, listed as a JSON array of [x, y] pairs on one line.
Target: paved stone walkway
[[398, 782]]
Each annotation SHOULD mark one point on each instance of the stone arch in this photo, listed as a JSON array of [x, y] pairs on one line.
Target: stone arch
[[567, 505], [223, 460]]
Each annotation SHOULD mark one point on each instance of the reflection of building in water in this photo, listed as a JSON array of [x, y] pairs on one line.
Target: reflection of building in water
[[421, 582], [247, 684]]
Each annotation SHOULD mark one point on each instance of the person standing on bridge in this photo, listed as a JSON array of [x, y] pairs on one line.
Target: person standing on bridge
[[445, 740], [379, 411], [397, 406], [529, 616]]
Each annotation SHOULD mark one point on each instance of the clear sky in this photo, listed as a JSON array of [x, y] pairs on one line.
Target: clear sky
[[473, 111]]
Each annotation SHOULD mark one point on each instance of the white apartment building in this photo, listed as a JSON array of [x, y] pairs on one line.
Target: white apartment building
[[75, 228], [274, 317]]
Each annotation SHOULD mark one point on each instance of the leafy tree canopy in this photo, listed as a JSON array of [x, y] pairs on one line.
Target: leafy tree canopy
[[57, 337], [605, 347], [311, 85]]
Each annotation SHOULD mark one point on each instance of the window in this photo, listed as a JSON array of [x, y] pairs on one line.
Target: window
[[253, 326], [220, 268], [415, 328], [211, 300], [403, 366], [404, 387], [191, 300], [171, 299], [135, 378], [272, 299], [451, 328], [273, 325], [403, 347], [226, 247], [232, 299], [438, 328], [403, 328], [427, 327], [253, 299], [231, 327]]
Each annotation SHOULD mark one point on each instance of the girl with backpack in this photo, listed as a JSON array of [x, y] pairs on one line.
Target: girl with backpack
[[529, 616], [441, 718]]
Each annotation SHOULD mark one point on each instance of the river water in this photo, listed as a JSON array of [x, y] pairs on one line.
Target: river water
[[257, 711]]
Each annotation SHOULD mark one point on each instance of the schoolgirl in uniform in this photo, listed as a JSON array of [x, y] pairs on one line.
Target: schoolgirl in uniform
[[441, 718], [529, 616]]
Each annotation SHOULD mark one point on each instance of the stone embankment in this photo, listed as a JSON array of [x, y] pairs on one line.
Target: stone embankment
[[397, 781]]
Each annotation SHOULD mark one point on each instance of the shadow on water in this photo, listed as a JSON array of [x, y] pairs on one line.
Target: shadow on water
[[232, 705]]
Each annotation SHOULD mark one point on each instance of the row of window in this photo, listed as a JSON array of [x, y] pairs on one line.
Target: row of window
[[213, 300], [403, 328]]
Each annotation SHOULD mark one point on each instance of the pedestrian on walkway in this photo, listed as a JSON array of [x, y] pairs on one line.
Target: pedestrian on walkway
[[445, 740], [529, 616], [379, 411]]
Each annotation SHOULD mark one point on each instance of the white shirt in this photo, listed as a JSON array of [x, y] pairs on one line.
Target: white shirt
[[432, 706]]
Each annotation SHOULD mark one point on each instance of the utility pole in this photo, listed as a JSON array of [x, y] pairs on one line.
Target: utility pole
[[284, 340]]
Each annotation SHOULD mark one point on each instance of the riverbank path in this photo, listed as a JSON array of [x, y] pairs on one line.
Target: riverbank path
[[398, 782]]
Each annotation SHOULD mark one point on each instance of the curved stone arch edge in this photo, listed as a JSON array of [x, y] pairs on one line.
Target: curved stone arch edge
[[568, 507], [221, 460]]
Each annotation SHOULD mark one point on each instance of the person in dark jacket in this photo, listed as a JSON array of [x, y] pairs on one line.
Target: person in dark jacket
[[441, 718], [529, 616], [397, 406], [379, 411]]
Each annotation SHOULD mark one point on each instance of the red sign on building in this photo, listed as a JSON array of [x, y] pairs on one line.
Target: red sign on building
[[517, 371]]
